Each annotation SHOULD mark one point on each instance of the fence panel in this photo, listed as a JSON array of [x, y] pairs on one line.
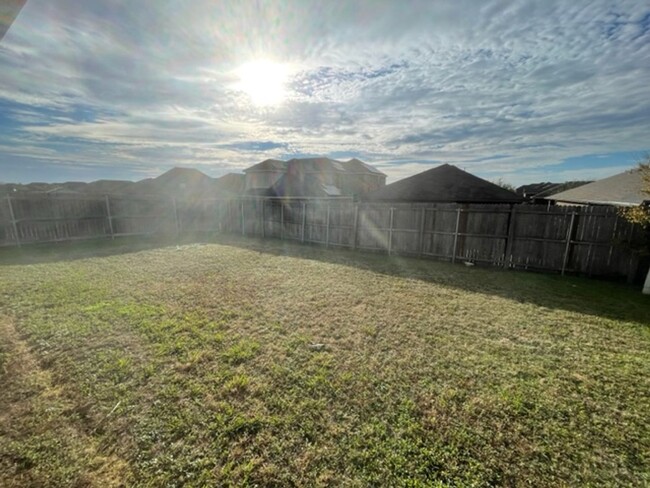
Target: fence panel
[[483, 233], [373, 227], [586, 240], [406, 229], [48, 219], [143, 216]]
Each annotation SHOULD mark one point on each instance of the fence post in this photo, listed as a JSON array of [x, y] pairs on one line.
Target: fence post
[[355, 226], [511, 235], [423, 219], [569, 234], [109, 216], [263, 214], [304, 217], [327, 227], [14, 224], [243, 221], [281, 219], [453, 256], [390, 231]]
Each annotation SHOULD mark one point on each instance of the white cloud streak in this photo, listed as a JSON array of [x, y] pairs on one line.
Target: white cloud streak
[[137, 83]]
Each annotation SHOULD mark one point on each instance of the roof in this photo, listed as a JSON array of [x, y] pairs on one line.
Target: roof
[[108, 186], [355, 165], [623, 189], [9, 10], [288, 186], [545, 189], [444, 183], [176, 181], [232, 183], [315, 165], [268, 165], [318, 164]]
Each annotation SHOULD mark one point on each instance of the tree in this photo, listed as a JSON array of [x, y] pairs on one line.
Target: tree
[[504, 184], [640, 214]]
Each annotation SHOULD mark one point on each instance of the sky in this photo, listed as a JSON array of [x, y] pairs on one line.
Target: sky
[[524, 91]]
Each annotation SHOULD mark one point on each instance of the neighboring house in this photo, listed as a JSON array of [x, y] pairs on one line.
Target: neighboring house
[[262, 176], [106, 187], [623, 189], [537, 192], [314, 178], [178, 182], [231, 184], [190, 182], [444, 184], [52, 189]]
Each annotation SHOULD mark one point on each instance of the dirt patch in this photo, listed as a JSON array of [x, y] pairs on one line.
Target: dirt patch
[[36, 419]]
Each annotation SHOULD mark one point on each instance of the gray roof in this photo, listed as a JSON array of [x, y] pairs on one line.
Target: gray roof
[[444, 183], [355, 165], [623, 189], [318, 164], [268, 165]]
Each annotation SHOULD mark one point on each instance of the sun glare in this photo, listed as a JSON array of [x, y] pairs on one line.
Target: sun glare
[[264, 82]]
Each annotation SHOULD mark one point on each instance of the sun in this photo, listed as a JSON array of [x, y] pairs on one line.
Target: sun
[[264, 82]]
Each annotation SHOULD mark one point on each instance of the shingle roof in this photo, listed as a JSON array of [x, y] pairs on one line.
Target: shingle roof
[[444, 183], [355, 165], [231, 183], [268, 165], [622, 189], [288, 186], [319, 164], [315, 164]]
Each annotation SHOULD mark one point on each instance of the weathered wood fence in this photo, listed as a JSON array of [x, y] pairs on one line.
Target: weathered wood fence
[[589, 240], [27, 220]]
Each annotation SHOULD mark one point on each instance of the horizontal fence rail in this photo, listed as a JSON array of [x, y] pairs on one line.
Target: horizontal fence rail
[[589, 240]]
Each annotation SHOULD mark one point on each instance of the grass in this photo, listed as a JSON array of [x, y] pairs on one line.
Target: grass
[[195, 366]]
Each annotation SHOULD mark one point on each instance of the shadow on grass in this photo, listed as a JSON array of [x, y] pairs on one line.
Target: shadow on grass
[[593, 297], [575, 294], [72, 250]]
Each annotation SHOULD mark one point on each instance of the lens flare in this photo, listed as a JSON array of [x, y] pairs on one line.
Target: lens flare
[[264, 82]]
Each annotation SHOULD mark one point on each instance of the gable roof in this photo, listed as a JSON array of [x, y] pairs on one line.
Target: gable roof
[[444, 183], [319, 165], [229, 184], [355, 165], [268, 165], [546, 188], [174, 181], [288, 186], [623, 189]]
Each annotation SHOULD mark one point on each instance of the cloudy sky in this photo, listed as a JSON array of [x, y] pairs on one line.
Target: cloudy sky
[[520, 90]]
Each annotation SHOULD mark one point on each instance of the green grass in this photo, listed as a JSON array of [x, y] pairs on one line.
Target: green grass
[[192, 366]]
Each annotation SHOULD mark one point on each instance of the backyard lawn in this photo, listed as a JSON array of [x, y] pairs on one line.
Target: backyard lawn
[[250, 363]]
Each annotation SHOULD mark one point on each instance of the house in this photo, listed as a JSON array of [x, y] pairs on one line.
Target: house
[[231, 184], [444, 184], [176, 182], [623, 189], [262, 176], [313, 178], [104, 187], [537, 192]]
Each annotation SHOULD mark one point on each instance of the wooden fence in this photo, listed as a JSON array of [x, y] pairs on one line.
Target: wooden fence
[[34, 219], [586, 240]]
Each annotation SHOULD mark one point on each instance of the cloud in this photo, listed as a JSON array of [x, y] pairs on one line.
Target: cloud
[[511, 88]]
